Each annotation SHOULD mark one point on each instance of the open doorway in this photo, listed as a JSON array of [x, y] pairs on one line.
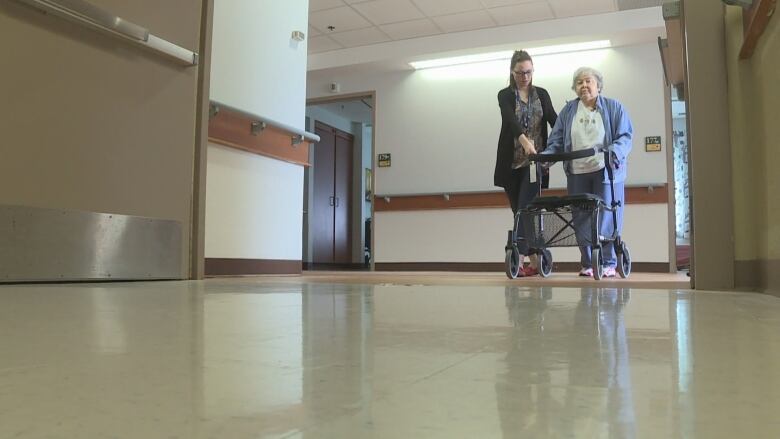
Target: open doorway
[[338, 186], [682, 198]]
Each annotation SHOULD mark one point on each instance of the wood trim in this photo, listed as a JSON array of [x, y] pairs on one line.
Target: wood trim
[[639, 267], [198, 206], [481, 200], [756, 19], [242, 267], [674, 51], [315, 266], [232, 129]]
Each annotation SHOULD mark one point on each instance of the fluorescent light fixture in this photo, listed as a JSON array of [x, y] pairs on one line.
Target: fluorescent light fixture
[[575, 47], [507, 54], [457, 60]]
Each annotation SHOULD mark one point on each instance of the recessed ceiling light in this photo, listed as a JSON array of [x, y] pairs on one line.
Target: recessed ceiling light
[[495, 56]]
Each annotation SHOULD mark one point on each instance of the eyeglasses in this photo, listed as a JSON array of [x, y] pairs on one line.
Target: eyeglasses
[[523, 72]]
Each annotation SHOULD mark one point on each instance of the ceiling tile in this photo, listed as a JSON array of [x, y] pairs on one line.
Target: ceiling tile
[[360, 37], [465, 21], [538, 11], [410, 29], [322, 44], [433, 8], [388, 11], [318, 5], [570, 8], [624, 5], [499, 3], [343, 19], [314, 32]]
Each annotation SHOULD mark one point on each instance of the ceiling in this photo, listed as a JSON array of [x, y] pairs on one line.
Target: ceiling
[[342, 24]]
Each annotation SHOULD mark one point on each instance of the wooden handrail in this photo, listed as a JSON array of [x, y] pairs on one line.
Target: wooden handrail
[[756, 19], [645, 194], [240, 130]]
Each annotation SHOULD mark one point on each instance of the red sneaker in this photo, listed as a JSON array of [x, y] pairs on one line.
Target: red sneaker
[[530, 271]]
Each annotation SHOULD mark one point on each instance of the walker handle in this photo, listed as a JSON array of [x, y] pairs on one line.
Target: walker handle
[[562, 157]]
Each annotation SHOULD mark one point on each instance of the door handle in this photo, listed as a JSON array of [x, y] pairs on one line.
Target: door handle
[[331, 201], [337, 201]]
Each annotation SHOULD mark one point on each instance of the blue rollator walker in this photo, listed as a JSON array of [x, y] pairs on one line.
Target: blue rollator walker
[[567, 221]]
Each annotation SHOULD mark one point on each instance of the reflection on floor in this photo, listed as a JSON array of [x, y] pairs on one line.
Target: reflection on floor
[[298, 357]]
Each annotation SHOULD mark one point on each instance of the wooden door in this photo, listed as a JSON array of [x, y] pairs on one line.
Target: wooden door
[[342, 245], [321, 219]]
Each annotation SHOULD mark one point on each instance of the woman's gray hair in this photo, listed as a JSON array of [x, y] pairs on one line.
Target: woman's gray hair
[[587, 71]]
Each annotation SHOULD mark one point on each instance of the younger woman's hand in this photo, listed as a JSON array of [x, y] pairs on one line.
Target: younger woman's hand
[[527, 144]]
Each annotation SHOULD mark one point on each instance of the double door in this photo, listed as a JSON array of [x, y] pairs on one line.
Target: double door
[[332, 169]]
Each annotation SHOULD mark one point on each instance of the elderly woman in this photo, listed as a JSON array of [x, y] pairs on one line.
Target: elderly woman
[[593, 121]]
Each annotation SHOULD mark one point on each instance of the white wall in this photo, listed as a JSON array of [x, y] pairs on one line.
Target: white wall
[[441, 127], [243, 220], [449, 118], [255, 65], [479, 235], [253, 203]]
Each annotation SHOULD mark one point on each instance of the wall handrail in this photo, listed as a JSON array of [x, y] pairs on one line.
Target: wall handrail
[[651, 187], [262, 121], [91, 16], [635, 194]]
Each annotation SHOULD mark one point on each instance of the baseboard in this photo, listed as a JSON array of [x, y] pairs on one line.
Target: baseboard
[[242, 267], [334, 267], [439, 266], [758, 274], [639, 267]]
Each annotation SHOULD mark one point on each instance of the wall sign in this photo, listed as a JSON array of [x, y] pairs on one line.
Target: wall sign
[[653, 143], [383, 160]]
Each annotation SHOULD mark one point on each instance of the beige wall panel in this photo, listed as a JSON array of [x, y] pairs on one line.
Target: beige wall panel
[[90, 122], [708, 135]]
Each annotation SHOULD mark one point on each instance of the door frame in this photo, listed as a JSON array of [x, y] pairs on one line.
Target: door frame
[[356, 231]]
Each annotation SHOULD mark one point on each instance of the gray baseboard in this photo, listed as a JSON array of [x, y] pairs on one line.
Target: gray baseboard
[[56, 245]]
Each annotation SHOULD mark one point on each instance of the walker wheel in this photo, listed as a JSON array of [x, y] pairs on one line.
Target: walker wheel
[[545, 263], [512, 262], [624, 261]]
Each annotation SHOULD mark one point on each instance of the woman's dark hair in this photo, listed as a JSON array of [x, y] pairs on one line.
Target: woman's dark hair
[[517, 57]]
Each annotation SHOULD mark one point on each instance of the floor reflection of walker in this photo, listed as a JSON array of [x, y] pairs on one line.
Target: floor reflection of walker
[[567, 221], [559, 390]]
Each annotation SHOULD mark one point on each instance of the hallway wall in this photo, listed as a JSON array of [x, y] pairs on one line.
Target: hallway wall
[[253, 203], [754, 96], [441, 127]]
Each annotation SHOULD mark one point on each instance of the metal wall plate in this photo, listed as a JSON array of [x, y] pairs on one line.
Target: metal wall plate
[[38, 244], [671, 10]]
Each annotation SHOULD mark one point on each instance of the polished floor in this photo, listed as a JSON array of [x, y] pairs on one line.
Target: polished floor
[[302, 357]]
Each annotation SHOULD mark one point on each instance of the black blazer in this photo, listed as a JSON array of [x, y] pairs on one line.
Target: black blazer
[[510, 130]]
